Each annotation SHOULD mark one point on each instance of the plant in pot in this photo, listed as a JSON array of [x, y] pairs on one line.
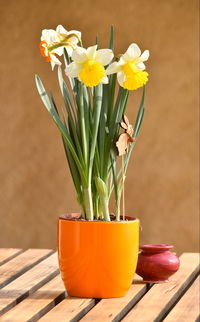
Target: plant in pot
[[97, 250]]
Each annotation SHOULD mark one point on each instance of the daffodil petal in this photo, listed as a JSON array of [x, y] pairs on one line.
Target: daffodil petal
[[121, 61], [58, 51], [73, 70], [132, 52], [46, 52], [72, 42], [54, 61], [144, 56], [141, 65], [75, 32], [121, 77], [104, 56], [104, 80], [52, 64], [50, 36], [113, 68], [79, 55], [61, 30], [91, 52]]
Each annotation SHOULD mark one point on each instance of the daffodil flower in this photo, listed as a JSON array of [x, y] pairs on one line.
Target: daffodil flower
[[54, 41], [88, 65], [50, 56], [130, 68]]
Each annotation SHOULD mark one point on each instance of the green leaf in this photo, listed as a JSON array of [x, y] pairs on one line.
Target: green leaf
[[114, 126], [71, 121], [111, 42], [102, 127], [73, 169], [101, 187], [137, 126], [97, 41], [72, 81], [114, 174], [82, 123], [66, 57], [65, 93], [112, 84], [49, 106], [140, 114]]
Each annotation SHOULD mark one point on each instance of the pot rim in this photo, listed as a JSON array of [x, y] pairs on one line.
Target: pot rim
[[83, 221], [155, 247]]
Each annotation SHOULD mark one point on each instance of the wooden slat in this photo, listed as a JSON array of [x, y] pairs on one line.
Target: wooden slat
[[114, 309], [7, 253], [70, 309], [20, 264], [27, 283], [38, 303], [37, 300], [162, 297], [187, 309]]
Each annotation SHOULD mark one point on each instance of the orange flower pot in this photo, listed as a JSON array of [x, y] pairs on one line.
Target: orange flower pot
[[97, 259]]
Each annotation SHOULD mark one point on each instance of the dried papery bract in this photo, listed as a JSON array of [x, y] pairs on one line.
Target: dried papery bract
[[125, 139]]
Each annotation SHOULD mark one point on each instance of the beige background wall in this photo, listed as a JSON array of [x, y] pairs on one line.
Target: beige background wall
[[162, 184]]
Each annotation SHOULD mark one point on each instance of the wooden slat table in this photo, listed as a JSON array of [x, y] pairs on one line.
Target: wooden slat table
[[31, 289]]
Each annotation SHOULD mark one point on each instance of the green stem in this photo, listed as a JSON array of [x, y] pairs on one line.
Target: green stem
[[83, 129], [97, 113], [100, 212], [88, 204], [118, 209], [96, 206]]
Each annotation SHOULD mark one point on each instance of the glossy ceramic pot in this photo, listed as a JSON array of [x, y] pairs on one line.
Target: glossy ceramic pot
[[156, 263], [97, 259]]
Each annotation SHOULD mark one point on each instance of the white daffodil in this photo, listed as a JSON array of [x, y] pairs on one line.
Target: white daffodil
[[54, 41], [88, 65], [130, 68], [49, 55]]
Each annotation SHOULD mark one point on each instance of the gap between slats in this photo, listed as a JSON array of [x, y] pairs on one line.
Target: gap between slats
[[155, 309], [185, 287], [21, 264], [13, 253], [28, 283], [187, 308], [69, 309]]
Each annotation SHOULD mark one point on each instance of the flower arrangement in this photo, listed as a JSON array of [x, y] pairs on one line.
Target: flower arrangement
[[95, 131]]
